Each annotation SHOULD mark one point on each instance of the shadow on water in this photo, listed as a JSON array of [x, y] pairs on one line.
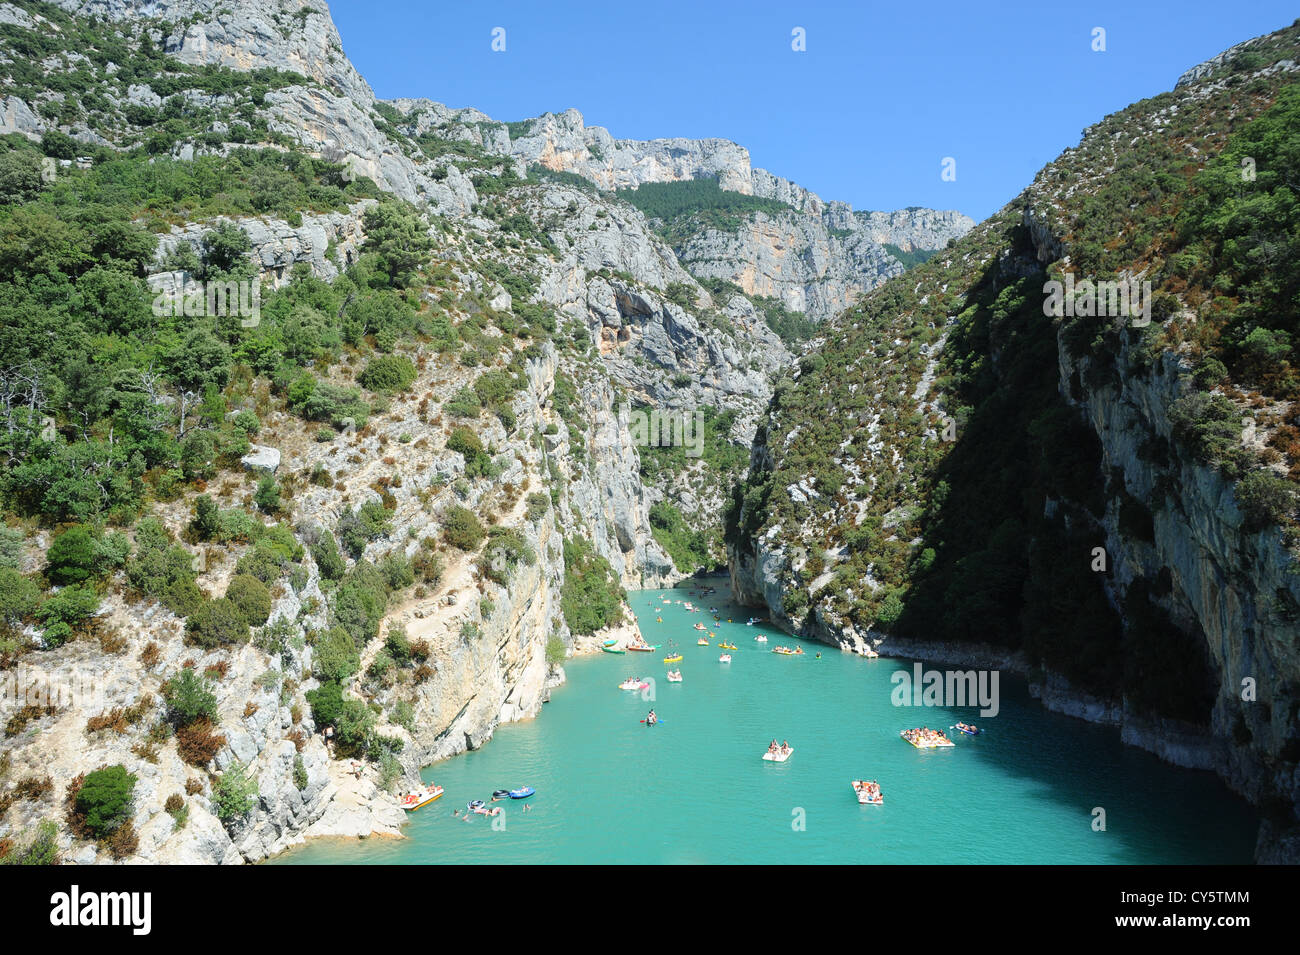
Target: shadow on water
[[1152, 810], [1150, 806]]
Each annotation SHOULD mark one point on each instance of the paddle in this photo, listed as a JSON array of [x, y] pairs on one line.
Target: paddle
[[656, 721]]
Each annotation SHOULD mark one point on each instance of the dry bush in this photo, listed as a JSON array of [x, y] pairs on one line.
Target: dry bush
[[197, 744], [123, 841], [76, 819], [217, 671], [18, 722], [150, 654], [30, 788], [111, 641], [114, 719]]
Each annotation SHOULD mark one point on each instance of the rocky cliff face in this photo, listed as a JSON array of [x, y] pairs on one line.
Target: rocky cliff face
[[295, 35], [793, 258], [817, 259], [835, 521], [1230, 585]]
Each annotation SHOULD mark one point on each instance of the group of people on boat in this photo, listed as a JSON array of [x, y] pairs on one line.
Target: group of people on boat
[[674, 676], [924, 736], [868, 790], [790, 651], [970, 729], [781, 749]]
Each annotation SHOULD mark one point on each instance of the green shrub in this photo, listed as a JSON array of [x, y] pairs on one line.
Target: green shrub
[[162, 569], [188, 698], [506, 550], [890, 610], [325, 551], [73, 557], [496, 388], [41, 849], [1209, 373], [398, 572], [235, 794], [198, 456], [334, 656], [359, 528], [18, 596], [267, 496], [388, 373], [66, 611], [250, 598], [398, 645], [217, 623], [461, 528], [688, 547], [274, 551], [360, 602], [463, 404], [380, 664], [11, 547], [403, 715], [206, 523], [555, 652], [1265, 500], [465, 442], [247, 422], [326, 702], [105, 798], [538, 504], [354, 728], [1209, 425]]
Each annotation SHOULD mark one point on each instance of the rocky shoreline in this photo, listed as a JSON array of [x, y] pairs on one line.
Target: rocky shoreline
[[359, 809]]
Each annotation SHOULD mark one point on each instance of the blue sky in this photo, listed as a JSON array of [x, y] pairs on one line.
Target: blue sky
[[867, 114]]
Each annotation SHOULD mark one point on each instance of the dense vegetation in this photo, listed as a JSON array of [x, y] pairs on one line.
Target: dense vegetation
[[688, 206], [591, 598], [101, 60], [121, 411], [909, 259]]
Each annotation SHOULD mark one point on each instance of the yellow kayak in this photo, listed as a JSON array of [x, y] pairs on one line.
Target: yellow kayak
[[676, 659]]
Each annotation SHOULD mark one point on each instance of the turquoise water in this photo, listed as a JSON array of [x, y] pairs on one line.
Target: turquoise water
[[694, 789]]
